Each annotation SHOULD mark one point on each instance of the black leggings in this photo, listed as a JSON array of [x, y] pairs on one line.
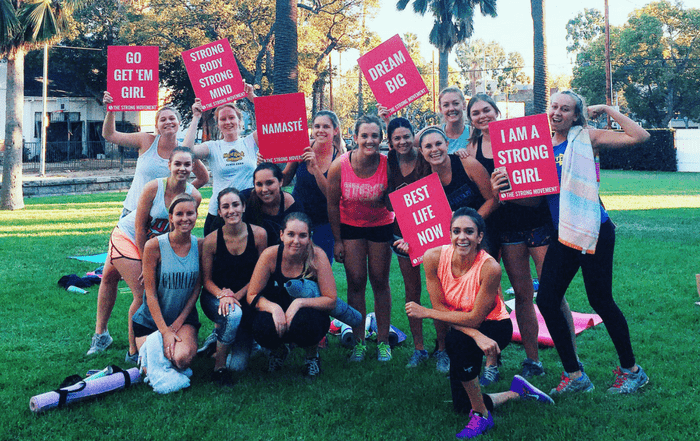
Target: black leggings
[[560, 266], [308, 327], [466, 357]]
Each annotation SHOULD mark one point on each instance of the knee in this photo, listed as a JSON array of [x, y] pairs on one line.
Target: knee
[[183, 359], [237, 361], [226, 334]]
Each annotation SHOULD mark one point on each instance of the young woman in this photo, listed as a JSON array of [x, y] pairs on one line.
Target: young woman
[[126, 244], [172, 280], [311, 187], [363, 229], [229, 255], [523, 232], [268, 204], [281, 319], [586, 239], [463, 282], [452, 105], [152, 163], [232, 160], [406, 166]]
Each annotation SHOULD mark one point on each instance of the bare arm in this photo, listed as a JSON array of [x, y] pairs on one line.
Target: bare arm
[[288, 173], [632, 134], [201, 174], [334, 208], [143, 214], [137, 140], [478, 174]]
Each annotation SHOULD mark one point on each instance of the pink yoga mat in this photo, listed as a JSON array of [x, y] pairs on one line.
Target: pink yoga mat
[[581, 323], [49, 400]]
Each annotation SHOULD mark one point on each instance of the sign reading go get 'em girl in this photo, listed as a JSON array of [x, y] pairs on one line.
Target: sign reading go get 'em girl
[[132, 77]]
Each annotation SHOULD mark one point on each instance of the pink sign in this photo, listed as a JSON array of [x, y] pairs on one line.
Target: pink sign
[[524, 147], [132, 77], [423, 214], [283, 132], [214, 73], [392, 75]]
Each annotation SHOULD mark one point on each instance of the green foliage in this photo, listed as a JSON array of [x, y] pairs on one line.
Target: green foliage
[[655, 59], [482, 63], [657, 154], [46, 332], [584, 28]]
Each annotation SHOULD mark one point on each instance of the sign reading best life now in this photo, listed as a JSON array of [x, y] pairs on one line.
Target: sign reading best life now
[[392, 75], [524, 147], [132, 77], [423, 214], [214, 73]]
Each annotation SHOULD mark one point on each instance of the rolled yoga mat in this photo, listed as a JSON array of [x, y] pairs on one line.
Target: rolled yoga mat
[[83, 389]]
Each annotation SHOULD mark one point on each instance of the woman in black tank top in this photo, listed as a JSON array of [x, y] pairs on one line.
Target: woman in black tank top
[[281, 319], [229, 256]]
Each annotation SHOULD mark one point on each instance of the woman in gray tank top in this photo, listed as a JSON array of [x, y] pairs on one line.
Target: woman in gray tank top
[[172, 283]]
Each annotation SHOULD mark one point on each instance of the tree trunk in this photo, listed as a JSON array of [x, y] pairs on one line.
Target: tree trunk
[[444, 67], [11, 197], [540, 88], [286, 74]]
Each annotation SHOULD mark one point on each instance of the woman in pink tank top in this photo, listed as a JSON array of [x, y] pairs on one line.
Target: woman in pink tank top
[[463, 282], [363, 229]]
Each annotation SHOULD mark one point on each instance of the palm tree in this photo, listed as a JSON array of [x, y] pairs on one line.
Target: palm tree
[[539, 89], [286, 70], [454, 23], [24, 26]]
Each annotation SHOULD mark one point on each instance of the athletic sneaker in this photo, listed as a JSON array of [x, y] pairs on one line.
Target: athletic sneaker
[[132, 358], [567, 385], [532, 368], [276, 358], [358, 352], [417, 358], [527, 391], [443, 362], [489, 376], [99, 343], [383, 351], [223, 378], [628, 382], [477, 425], [209, 346], [312, 367]]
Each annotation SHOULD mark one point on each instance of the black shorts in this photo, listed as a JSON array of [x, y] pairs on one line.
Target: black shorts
[[536, 237], [382, 233], [144, 331]]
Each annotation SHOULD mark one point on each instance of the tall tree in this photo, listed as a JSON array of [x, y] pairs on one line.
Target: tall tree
[[24, 26], [540, 82], [286, 74], [454, 23], [488, 65]]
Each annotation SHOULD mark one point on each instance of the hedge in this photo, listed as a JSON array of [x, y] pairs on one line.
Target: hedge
[[657, 154]]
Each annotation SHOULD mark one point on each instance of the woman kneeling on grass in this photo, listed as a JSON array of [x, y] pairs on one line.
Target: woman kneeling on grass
[[586, 239], [463, 282], [172, 282], [229, 256], [280, 318]]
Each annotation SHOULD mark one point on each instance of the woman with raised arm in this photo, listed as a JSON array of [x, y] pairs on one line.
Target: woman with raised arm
[[363, 229], [585, 239], [229, 255], [454, 122], [231, 159], [154, 153], [311, 187], [268, 204], [463, 282], [281, 319], [172, 279]]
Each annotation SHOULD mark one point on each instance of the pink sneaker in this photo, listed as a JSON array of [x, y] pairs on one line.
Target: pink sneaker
[[477, 425]]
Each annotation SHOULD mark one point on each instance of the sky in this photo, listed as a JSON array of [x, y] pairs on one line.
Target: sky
[[512, 28]]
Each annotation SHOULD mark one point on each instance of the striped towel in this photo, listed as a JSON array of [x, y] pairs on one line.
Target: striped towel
[[579, 210]]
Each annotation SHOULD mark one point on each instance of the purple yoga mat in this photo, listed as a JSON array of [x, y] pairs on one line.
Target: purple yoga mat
[[49, 400]]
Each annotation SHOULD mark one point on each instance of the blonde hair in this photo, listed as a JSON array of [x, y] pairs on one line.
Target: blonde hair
[[167, 108]]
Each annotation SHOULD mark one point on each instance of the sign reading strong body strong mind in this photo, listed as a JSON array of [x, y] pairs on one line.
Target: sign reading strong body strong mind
[[282, 127], [132, 77], [524, 147], [423, 214], [214, 73], [392, 75]]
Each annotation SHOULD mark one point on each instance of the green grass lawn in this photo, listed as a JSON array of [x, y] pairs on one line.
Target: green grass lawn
[[46, 330]]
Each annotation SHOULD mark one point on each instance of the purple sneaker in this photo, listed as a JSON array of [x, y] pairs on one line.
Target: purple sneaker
[[477, 425], [529, 392]]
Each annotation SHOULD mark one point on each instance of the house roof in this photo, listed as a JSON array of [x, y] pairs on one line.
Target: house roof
[[59, 85]]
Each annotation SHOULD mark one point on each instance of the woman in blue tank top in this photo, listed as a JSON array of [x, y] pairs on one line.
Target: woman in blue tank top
[[172, 283]]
